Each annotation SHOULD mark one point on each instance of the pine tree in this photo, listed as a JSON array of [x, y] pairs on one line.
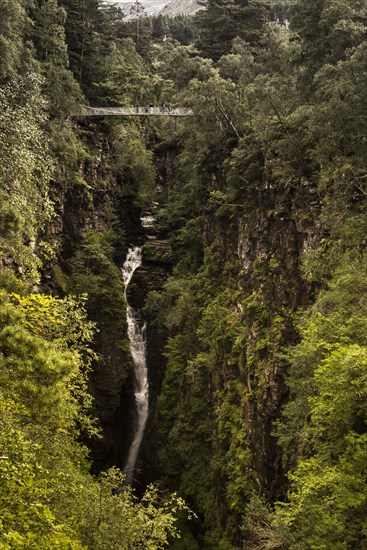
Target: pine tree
[[49, 33], [327, 29], [224, 20], [82, 38]]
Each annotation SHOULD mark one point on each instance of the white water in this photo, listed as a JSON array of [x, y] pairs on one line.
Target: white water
[[137, 339], [148, 222]]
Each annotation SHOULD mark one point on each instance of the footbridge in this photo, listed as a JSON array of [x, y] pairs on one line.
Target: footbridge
[[138, 111]]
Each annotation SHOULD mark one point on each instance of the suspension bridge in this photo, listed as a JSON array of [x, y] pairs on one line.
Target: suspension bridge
[[138, 111]]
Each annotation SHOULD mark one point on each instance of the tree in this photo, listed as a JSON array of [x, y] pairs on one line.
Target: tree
[[324, 427], [48, 499], [327, 28], [82, 39], [14, 52], [224, 20], [159, 28], [25, 171], [49, 33]]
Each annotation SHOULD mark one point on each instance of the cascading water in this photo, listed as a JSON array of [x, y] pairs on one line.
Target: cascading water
[[137, 339], [148, 222]]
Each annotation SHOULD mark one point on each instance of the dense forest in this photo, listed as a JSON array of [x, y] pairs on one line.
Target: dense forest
[[254, 286]]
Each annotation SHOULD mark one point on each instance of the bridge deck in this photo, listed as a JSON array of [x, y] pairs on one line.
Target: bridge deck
[[137, 111]]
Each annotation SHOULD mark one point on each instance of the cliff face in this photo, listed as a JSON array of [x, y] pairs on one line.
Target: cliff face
[[97, 221], [228, 311], [271, 242], [149, 278], [93, 227]]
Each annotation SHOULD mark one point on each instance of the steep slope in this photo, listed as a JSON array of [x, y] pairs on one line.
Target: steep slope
[[157, 7], [180, 7]]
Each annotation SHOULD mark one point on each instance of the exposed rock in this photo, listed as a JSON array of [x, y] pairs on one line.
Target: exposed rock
[[180, 7], [157, 252], [171, 8]]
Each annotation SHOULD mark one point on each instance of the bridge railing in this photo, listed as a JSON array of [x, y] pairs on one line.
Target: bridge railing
[[138, 111]]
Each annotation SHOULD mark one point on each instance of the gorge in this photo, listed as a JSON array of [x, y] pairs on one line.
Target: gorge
[[183, 305]]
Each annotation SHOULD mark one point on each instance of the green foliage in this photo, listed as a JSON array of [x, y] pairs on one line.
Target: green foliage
[[48, 499], [31, 366], [62, 320], [220, 22], [49, 33], [24, 173], [14, 51], [266, 185], [204, 438], [36, 406], [94, 273], [132, 163], [325, 421], [328, 28], [261, 530], [120, 521], [82, 38], [65, 323]]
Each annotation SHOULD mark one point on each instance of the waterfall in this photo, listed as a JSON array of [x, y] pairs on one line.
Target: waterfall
[[137, 339], [148, 222]]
